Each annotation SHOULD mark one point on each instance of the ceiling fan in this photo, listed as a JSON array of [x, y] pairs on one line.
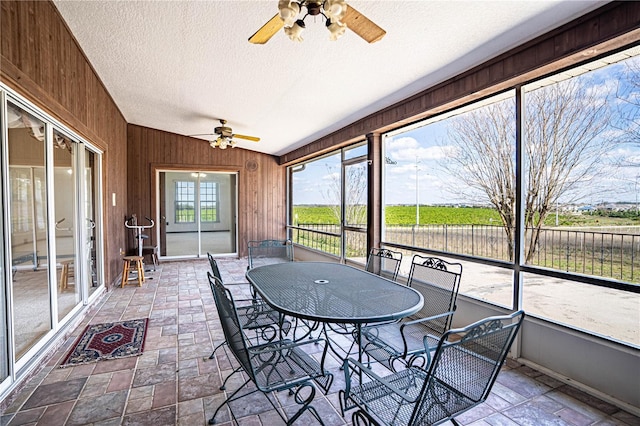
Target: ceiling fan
[[338, 17], [226, 137]]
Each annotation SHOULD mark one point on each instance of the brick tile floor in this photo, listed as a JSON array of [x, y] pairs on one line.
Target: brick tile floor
[[174, 382]]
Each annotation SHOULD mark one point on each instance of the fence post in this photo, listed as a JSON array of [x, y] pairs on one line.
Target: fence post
[[446, 237], [472, 240], [413, 235]]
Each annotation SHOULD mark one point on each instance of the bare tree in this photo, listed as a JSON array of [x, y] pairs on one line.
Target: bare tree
[[628, 93], [355, 197], [564, 143]]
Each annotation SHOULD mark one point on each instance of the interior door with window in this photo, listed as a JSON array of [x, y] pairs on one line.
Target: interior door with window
[[198, 212]]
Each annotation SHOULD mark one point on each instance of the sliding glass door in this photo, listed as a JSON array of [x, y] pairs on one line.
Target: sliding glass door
[[52, 197], [198, 213]]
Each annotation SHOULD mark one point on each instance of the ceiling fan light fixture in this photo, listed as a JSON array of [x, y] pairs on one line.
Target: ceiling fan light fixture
[[226, 137], [295, 31], [337, 15], [336, 29], [288, 11], [335, 9]]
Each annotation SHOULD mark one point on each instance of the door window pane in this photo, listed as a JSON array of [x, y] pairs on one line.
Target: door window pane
[[355, 211], [91, 207], [28, 238], [356, 186], [209, 201], [199, 212], [64, 178], [185, 202], [316, 199]]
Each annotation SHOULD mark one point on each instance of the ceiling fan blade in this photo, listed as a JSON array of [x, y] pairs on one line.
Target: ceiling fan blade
[[267, 31], [249, 138], [202, 134], [363, 26]]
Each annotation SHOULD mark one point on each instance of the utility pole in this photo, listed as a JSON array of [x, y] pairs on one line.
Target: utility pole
[[636, 188], [417, 195]]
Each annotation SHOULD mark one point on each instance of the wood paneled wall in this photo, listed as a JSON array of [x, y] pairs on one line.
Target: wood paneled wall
[[261, 181], [606, 29], [41, 60]]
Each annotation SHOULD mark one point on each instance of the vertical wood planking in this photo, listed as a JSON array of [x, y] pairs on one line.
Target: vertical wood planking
[[41, 61], [260, 193]]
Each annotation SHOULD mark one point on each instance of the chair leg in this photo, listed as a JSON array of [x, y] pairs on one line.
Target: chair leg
[[230, 398], [213, 354], [224, 384], [125, 273], [305, 402], [140, 268]]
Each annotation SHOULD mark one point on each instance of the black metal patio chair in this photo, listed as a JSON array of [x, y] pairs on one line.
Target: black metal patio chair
[[265, 323], [384, 262], [266, 252], [438, 282], [274, 366], [464, 368]]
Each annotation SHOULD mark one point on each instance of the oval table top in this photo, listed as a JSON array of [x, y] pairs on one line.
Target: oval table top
[[333, 293]]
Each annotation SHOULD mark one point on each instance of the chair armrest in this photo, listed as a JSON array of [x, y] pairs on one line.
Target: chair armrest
[[279, 345], [373, 376], [418, 321], [426, 319]]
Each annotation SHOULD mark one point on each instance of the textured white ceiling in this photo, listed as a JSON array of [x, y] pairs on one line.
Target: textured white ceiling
[[179, 66]]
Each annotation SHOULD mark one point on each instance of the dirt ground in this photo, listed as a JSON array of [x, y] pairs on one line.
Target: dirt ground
[[603, 311]]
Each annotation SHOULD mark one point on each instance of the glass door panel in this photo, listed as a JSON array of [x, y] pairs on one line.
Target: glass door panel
[[182, 225], [198, 212], [27, 206], [4, 336], [355, 210], [91, 207], [64, 178]]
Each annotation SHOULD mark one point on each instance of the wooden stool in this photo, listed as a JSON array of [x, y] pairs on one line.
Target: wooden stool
[[64, 274], [127, 267]]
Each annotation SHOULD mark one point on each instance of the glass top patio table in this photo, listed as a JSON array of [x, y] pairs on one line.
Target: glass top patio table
[[333, 293]]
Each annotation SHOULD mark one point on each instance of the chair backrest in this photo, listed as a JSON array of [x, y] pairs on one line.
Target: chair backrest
[[267, 252], [214, 267], [438, 282], [465, 368], [384, 262], [231, 324]]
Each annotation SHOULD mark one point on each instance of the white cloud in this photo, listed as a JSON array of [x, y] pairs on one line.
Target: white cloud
[[407, 149], [333, 177]]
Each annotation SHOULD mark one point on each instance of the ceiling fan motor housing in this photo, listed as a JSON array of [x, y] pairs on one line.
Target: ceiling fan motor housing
[[223, 131], [313, 7]]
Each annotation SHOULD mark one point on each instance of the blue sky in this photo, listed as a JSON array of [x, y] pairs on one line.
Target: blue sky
[[424, 148]]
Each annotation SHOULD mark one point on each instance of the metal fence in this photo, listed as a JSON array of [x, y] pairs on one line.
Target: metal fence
[[604, 254]]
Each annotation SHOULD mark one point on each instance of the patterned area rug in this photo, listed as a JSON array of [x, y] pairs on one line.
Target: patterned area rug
[[108, 341]]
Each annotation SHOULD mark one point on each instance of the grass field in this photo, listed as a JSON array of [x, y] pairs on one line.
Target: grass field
[[436, 215]]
